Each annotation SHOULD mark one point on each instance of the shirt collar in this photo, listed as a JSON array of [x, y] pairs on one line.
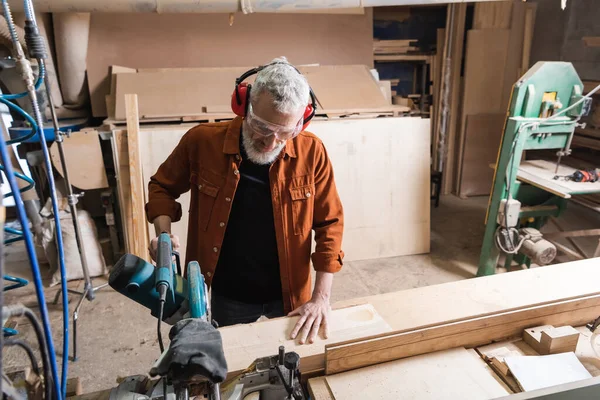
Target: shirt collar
[[232, 140]]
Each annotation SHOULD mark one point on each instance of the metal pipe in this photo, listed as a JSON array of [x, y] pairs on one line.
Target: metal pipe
[[215, 6]]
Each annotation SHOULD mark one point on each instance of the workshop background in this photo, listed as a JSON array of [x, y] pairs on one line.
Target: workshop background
[[412, 105]]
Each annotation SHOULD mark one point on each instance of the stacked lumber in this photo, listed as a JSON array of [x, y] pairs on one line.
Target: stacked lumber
[[496, 55], [381, 47], [204, 94]]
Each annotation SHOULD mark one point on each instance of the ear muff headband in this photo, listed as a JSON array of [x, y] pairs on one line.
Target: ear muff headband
[[241, 95]]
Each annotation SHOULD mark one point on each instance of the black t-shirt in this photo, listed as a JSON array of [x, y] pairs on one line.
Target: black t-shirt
[[248, 266]]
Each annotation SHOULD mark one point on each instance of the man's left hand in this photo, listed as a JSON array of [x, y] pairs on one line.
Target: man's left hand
[[313, 315]]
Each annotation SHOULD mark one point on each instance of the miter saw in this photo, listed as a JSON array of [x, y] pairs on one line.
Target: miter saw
[[194, 362]]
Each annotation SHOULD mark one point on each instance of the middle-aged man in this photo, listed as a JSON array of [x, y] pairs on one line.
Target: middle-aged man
[[259, 186]]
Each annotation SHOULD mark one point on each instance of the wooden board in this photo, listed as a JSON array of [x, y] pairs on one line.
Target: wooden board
[[541, 173], [379, 219], [192, 91], [470, 332], [207, 40], [121, 162], [483, 134], [538, 372], [486, 53], [332, 88], [492, 15], [450, 374], [453, 301], [83, 156], [244, 343], [457, 43], [319, 389], [139, 230]]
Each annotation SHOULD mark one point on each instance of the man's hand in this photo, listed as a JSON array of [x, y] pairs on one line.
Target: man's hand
[[154, 245], [313, 315]]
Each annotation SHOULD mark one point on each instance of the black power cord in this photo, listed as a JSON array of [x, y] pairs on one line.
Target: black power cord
[[20, 310], [25, 346]]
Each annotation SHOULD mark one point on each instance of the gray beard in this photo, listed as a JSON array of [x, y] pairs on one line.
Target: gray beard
[[258, 157]]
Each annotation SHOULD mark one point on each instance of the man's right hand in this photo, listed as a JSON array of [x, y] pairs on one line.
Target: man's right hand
[[154, 245]]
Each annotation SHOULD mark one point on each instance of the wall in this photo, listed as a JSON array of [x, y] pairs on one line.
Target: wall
[[207, 40], [558, 35]]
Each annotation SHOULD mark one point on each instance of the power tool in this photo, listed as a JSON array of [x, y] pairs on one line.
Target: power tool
[[581, 175], [194, 363], [195, 354]]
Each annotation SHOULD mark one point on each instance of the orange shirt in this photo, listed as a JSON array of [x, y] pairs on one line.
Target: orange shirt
[[303, 193]]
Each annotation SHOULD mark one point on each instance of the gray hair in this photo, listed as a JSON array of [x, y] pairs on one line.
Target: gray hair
[[288, 88]]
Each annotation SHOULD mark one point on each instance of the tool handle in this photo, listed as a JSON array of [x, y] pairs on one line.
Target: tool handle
[[178, 262]]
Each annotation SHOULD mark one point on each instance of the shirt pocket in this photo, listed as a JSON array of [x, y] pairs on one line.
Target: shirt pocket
[[204, 196], [302, 208]]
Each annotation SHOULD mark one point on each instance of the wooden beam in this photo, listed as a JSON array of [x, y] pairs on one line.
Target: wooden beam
[[469, 333], [139, 231], [581, 233]]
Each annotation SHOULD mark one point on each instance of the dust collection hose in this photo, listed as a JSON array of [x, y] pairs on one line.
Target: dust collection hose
[[37, 127]]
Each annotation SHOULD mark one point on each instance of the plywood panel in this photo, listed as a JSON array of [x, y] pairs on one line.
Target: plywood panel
[[376, 162], [169, 92], [451, 374], [482, 141], [344, 87], [144, 40], [485, 58], [83, 157], [244, 343]]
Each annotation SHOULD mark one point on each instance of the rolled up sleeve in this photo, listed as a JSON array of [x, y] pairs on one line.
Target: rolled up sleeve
[[328, 218], [170, 181]]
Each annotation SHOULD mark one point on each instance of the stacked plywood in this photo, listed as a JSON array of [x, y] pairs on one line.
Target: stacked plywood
[[496, 55]]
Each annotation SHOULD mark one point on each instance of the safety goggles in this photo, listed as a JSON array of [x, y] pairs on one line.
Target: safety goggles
[[266, 128]]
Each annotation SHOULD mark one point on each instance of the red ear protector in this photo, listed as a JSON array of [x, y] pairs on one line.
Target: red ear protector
[[241, 96]]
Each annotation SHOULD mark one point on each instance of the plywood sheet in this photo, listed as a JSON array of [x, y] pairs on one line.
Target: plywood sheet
[[145, 40], [485, 57], [450, 374], [344, 87], [83, 156], [484, 295], [483, 134], [538, 372], [244, 343], [380, 219], [176, 92], [169, 92]]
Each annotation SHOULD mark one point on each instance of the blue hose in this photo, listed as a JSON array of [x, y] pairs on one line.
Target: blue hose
[[59, 244], [35, 269], [38, 83], [14, 107], [26, 188]]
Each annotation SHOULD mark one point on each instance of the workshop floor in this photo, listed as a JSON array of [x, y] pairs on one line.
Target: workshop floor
[[116, 337]]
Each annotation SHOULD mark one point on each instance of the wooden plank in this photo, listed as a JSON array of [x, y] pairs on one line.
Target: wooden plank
[[485, 58], [538, 372], [541, 173], [403, 57], [319, 389], [483, 134], [74, 387], [330, 85], [492, 15], [440, 62], [591, 41], [244, 343], [139, 231], [123, 39], [527, 38], [579, 233], [580, 141], [457, 40], [470, 332], [121, 161], [450, 374], [403, 165], [83, 156]]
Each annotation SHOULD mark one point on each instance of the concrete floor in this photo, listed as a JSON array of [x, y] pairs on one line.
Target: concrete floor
[[117, 337]]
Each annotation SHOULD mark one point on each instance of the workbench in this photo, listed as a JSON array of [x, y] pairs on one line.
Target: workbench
[[463, 314]]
